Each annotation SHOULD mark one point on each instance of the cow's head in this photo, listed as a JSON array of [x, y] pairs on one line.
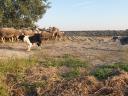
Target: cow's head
[[21, 37], [115, 38]]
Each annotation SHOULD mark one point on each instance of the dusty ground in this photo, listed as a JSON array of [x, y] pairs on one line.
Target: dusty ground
[[96, 50]]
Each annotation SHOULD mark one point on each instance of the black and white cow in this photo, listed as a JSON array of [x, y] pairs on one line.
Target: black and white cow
[[30, 40], [123, 39]]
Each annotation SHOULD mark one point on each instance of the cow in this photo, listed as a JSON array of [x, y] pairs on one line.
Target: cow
[[7, 33], [122, 39], [59, 35], [30, 40], [46, 35]]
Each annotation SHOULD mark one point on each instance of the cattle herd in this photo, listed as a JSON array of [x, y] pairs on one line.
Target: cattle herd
[[12, 34], [30, 35], [37, 35]]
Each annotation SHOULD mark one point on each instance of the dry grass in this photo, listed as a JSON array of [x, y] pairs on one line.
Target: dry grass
[[63, 68]]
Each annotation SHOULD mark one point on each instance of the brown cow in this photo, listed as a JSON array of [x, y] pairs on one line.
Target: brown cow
[[27, 32], [7, 33], [46, 35]]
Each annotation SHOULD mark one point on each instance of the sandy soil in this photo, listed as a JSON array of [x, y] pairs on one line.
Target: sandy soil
[[95, 50]]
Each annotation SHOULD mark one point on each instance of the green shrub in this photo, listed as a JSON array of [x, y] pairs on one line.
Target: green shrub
[[119, 65], [72, 74], [122, 66], [102, 73], [105, 71], [73, 62]]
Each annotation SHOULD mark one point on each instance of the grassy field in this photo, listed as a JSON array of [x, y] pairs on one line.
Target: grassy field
[[79, 67]]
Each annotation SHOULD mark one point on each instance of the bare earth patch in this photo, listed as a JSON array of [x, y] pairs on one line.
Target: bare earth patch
[[87, 48]]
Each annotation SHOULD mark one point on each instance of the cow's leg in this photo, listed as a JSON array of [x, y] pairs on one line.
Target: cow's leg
[[39, 44], [9, 39], [60, 38], [17, 38], [12, 39], [29, 46], [119, 44], [56, 37], [3, 39]]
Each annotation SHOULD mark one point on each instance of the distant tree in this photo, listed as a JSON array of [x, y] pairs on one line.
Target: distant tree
[[21, 13]]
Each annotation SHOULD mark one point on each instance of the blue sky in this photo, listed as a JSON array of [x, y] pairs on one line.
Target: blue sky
[[86, 15]]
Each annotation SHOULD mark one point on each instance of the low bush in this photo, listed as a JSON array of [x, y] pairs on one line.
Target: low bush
[[72, 74], [102, 73], [105, 71]]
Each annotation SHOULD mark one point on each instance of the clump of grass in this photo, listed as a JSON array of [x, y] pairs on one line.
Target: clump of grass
[[71, 62], [52, 62], [13, 66], [66, 60], [72, 74], [3, 90], [120, 65], [105, 71], [102, 73]]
